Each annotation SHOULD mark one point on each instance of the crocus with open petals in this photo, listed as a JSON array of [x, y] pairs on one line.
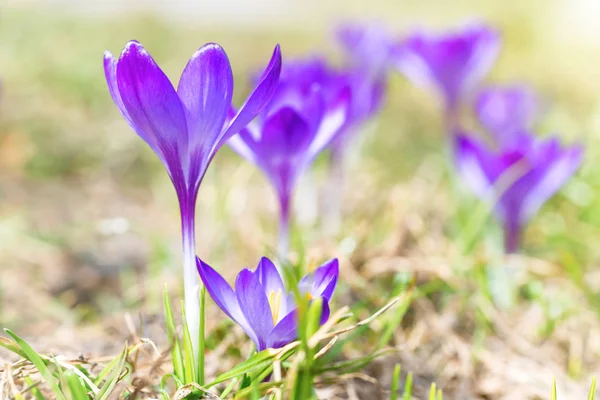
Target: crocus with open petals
[[260, 303], [300, 120], [504, 111], [185, 127], [517, 178], [452, 63]]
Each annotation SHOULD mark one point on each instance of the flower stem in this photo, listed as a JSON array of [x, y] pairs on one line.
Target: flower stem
[[191, 283], [283, 241], [512, 237]]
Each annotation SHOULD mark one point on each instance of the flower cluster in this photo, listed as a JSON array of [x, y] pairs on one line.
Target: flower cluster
[[298, 110], [520, 171]]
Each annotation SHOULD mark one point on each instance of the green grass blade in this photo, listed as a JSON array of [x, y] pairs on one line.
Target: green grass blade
[[33, 388], [76, 387], [592, 394], [37, 361], [258, 361], [395, 383], [553, 392], [12, 346], [114, 376], [189, 366], [176, 356], [202, 338], [432, 391], [440, 395], [408, 387]]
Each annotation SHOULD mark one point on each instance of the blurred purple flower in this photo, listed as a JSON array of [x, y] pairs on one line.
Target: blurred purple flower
[[368, 47], [506, 111], [260, 303], [184, 127], [453, 63], [305, 114], [518, 179]]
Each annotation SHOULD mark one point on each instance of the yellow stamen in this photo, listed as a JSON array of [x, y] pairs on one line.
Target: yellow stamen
[[275, 303], [309, 296]]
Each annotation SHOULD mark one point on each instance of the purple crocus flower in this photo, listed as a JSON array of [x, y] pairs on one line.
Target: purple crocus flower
[[506, 110], [368, 47], [518, 178], [301, 120], [185, 127], [260, 303], [453, 63]]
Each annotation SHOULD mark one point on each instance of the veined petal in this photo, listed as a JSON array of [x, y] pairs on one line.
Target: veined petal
[[269, 277], [152, 105], [224, 296], [205, 90], [255, 306], [258, 99], [110, 72], [323, 281]]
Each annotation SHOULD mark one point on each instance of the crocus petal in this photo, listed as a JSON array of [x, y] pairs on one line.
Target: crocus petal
[[255, 306], [332, 123], [152, 104], [205, 89], [322, 282], [554, 177], [110, 71], [285, 332], [224, 296], [258, 99], [473, 159], [243, 147], [504, 111], [285, 135], [269, 278], [454, 63]]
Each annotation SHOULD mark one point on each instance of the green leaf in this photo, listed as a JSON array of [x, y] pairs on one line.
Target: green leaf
[[257, 361], [202, 338], [12, 346], [553, 392], [432, 391], [76, 387], [32, 387], [176, 355], [113, 378], [408, 387], [395, 383], [189, 366], [37, 361]]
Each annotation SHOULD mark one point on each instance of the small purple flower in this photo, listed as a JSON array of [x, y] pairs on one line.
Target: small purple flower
[[453, 63], [185, 127], [518, 179], [506, 111], [368, 47], [302, 118], [260, 303]]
